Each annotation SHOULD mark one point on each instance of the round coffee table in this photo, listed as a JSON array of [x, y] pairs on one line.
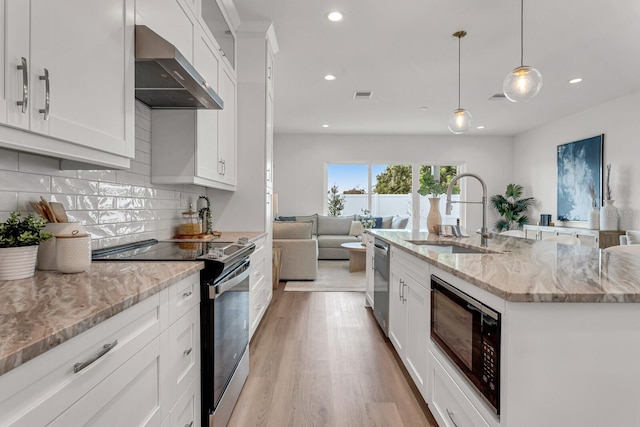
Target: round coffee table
[[357, 256]]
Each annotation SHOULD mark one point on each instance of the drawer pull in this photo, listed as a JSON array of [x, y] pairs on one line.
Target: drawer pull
[[188, 351], [189, 424], [105, 349], [451, 414], [187, 294]]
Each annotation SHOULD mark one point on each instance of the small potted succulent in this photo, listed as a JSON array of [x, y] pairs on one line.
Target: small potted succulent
[[19, 239]]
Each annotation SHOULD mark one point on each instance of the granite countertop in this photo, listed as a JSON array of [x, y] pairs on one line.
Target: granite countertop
[[40, 313], [523, 270]]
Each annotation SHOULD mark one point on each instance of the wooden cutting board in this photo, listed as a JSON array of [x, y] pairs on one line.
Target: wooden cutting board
[[196, 238]]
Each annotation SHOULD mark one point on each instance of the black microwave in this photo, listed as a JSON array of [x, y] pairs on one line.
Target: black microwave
[[468, 332]]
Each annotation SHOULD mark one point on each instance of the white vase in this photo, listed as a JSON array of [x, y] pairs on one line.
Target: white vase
[[434, 219], [593, 222], [18, 263], [608, 216]]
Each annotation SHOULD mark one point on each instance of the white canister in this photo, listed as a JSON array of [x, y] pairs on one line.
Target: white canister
[[47, 249], [73, 252]]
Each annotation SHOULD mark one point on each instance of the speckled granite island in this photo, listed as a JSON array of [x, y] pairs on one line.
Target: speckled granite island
[[40, 313], [523, 270], [569, 336]]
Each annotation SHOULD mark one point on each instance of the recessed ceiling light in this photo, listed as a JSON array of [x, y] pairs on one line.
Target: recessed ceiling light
[[335, 16], [329, 77], [480, 127], [424, 108], [325, 126], [576, 80]]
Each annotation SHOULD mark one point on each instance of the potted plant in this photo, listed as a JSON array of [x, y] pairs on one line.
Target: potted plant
[[429, 186], [19, 239], [511, 208]]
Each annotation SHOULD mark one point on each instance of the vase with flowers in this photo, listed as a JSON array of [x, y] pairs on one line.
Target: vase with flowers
[[608, 213], [434, 188]]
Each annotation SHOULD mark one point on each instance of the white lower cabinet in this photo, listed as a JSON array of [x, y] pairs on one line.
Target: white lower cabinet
[[409, 305], [128, 370], [260, 291], [449, 405]]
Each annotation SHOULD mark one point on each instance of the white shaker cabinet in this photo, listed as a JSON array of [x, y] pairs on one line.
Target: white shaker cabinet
[[227, 135], [69, 79], [409, 307]]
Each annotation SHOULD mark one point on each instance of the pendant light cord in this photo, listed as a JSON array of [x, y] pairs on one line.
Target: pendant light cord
[[522, 33], [459, 71]]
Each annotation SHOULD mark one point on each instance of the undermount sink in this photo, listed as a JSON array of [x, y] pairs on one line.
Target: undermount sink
[[449, 247]]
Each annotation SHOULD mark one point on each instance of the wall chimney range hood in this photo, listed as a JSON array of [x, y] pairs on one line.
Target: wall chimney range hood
[[165, 79]]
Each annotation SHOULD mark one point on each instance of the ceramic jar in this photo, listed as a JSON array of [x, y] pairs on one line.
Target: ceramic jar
[[434, 219], [47, 249], [608, 216], [73, 252]]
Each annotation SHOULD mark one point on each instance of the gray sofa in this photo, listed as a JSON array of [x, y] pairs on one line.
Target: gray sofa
[[330, 231]]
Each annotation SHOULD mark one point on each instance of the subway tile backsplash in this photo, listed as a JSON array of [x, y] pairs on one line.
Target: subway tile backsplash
[[116, 206]]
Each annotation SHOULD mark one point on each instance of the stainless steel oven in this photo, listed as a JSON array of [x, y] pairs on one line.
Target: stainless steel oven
[[468, 332], [224, 324]]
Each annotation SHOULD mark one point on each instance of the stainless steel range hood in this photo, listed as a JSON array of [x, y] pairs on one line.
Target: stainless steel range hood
[[165, 79]]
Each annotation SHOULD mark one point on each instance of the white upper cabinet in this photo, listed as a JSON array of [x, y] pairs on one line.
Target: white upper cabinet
[[227, 122], [69, 76]]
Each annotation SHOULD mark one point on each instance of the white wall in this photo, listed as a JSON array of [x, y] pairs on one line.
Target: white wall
[[619, 121], [299, 164]]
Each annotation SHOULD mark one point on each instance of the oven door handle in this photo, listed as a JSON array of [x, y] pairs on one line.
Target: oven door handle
[[218, 290]]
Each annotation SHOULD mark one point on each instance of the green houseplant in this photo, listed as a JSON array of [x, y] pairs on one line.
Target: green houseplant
[[19, 239], [511, 208]]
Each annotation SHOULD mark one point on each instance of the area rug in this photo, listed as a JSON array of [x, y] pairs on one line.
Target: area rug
[[333, 276]]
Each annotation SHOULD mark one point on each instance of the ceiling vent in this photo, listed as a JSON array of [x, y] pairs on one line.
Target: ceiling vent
[[362, 95], [497, 97]]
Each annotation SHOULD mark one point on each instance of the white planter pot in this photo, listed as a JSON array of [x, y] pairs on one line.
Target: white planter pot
[[18, 263], [608, 216]]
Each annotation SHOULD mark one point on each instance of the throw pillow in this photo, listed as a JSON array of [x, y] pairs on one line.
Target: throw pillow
[[633, 237], [313, 218], [378, 223], [386, 221], [399, 222], [356, 228]]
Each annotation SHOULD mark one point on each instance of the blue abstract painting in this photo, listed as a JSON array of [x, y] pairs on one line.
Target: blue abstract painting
[[579, 168]]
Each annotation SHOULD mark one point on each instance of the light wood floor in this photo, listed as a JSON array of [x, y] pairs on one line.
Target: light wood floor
[[319, 359]]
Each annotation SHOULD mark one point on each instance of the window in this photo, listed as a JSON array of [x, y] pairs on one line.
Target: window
[[390, 189]]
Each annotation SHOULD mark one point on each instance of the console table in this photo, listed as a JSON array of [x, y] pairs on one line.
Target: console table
[[590, 238]]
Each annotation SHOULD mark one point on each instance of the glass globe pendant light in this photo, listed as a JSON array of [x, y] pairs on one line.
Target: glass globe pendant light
[[460, 119], [524, 82]]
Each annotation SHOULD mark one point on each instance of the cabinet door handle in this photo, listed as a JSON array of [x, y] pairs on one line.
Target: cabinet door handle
[[25, 84], [47, 95], [189, 424], [451, 414], [105, 349], [188, 351], [224, 167], [187, 294], [401, 290], [269, 72]]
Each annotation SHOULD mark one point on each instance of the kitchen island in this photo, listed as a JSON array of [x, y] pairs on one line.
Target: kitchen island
[[569, 337]]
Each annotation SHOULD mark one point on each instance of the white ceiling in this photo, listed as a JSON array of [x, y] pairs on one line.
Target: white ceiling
[[404, 52]]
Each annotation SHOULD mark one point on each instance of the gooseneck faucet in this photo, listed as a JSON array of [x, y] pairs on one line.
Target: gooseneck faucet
[[484, 233]]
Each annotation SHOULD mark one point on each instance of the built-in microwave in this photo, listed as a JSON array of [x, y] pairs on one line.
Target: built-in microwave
[[468, 332]]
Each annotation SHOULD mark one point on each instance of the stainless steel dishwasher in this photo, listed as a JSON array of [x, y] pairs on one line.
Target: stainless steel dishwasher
[[381, 284]]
